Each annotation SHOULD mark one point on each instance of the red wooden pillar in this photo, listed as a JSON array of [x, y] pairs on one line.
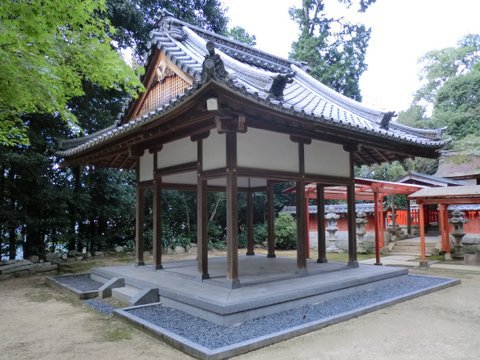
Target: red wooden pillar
[[378, 219], [441, 225], [448, 256], [423, 259]]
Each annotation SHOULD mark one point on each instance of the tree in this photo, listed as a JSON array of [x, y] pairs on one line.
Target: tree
[[240, 34], [438, 66], [457, 105], [48, 49], [333, 48], [135, 19]]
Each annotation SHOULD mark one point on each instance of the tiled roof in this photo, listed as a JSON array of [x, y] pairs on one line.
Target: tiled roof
[[252, 73]]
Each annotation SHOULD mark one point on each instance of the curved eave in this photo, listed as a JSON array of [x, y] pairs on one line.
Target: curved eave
[[376, 146]]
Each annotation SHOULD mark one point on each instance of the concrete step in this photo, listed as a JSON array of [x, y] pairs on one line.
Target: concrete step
[[99, 278], [125, 294], [410, 248]]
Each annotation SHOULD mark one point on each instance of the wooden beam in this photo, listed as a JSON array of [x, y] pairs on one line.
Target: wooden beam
[[176, 169]]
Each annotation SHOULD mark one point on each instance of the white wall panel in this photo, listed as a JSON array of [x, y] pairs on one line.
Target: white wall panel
[[146, 166], [324, 158], [214, 151], [186, 178], [177, 152], [268, 150]]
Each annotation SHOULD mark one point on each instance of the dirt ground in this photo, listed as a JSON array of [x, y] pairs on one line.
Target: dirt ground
[[39, 322]]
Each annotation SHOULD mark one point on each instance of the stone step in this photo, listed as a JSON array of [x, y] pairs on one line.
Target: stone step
[[125, 294]]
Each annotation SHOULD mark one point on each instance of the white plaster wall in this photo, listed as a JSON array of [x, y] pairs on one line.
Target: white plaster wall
[[214, 151], [177, 152], [186, 178], [262, 149], [324, 158], [241, 182], [146, 166]]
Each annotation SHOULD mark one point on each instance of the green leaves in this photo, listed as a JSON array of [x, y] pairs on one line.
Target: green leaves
[[334, 49], [48, 49]]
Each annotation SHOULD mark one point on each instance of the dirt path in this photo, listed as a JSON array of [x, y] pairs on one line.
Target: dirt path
[[37, 322]]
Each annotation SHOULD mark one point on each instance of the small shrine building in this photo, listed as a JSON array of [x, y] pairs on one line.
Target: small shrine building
[[218, 115]]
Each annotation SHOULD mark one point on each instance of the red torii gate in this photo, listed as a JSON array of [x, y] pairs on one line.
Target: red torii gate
[[365, 189], [442, 196]]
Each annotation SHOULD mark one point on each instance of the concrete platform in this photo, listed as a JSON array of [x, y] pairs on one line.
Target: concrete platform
[[269, 285]]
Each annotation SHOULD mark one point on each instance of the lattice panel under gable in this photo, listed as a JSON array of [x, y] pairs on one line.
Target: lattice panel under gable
[[162, 92]]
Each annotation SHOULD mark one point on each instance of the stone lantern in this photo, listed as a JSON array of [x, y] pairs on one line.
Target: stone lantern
[[332, 218], [361, 222], [457, 220]]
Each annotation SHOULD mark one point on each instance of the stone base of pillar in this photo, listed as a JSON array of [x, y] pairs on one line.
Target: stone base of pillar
[[250, 253], [140, 263], [233, 284], [301, 272], [157, 267], [447, 257], [353, 264], [378, 263], [423, 264], [201, 277], [271, 256], [322, 261]]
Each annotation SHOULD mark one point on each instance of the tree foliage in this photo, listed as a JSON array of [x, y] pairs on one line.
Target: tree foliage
[[240, 34], [333, 48], [48, 49]]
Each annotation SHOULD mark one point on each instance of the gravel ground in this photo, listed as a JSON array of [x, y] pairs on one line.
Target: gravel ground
[[80, 282], [214, 336], [99, 305]]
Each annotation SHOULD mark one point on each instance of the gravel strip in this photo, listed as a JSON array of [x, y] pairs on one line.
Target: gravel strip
[[214, 336], [101, 306], [81, 283]]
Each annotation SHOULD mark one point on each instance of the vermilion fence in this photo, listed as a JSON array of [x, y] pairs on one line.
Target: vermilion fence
[[472, 227]]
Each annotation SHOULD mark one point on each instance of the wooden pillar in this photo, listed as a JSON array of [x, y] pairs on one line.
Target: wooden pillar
[[270, 220], [352, 236], [447, 235], [307, 228], [445, 228], [421, 215], [250, 239], [157, 224], [322, 254], [139, 225], [301, 228], [202, 217], [441, 225], [378, 219], [202, 229], [409, 217], [232, 210]]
